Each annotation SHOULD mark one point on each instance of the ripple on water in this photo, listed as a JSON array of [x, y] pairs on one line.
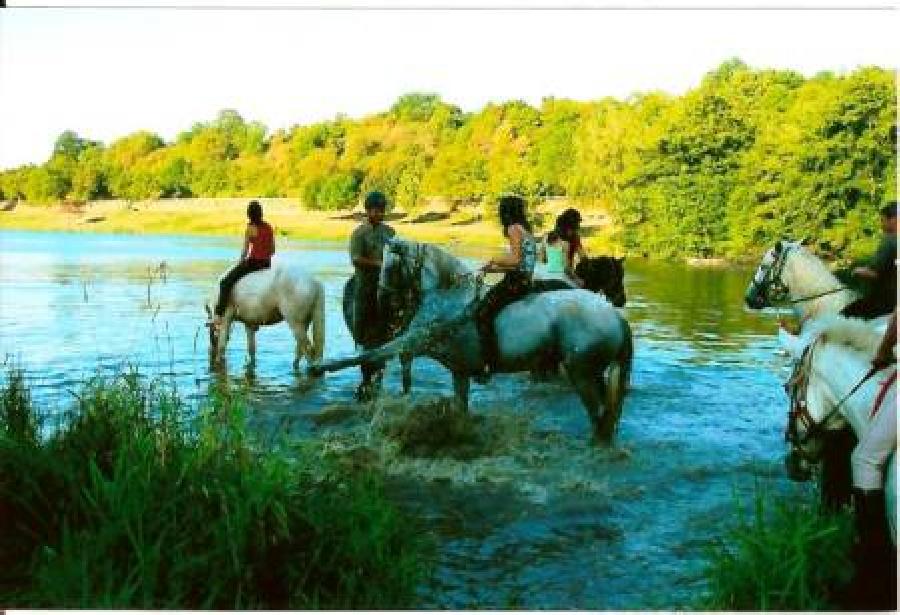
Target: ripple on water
[[528, 513]]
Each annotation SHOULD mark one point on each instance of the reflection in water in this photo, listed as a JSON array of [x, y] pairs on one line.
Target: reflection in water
[[543, 519]]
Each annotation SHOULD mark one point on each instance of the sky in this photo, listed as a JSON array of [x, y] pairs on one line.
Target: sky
[[108, 72]]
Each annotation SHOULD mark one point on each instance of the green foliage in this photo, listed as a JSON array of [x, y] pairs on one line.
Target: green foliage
[[744, 158], [780, 557], [135, 501]]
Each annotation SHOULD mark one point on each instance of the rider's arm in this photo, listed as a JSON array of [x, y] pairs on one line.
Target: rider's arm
[[357, 254], [250, 232], [511, 260], [582, 253]]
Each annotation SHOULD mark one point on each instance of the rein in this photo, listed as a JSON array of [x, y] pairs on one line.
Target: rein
[[796, 387], [818, 295]]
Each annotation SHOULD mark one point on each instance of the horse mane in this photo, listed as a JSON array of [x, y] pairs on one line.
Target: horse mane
[[447, 264], [812, 264], [854, 333]]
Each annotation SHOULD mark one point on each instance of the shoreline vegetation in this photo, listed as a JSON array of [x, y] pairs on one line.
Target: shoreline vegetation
[[127, 499], [463, 227], [747, 157], [134, 499]]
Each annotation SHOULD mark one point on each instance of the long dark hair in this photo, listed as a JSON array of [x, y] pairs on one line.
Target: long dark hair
[[512, 211], [567, 221], [254, 212]]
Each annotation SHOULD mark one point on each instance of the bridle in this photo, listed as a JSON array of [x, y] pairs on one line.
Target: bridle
[[411, 270], [774, 289], [409, 297]]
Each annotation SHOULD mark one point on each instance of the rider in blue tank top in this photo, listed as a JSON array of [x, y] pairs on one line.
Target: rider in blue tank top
[[517, 266]]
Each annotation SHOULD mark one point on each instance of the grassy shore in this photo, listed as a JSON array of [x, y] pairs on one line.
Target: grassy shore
[[227, 217], [780, 556], [133, 500]]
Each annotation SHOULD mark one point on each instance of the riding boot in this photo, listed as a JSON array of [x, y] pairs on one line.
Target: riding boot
[[874, 586]]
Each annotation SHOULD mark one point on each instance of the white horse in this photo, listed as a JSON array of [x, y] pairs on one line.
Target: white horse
[[789, 274], [823, 396], [286, 292], [579, 328]]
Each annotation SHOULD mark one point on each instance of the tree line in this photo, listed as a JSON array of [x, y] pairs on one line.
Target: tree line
[[743, 158]]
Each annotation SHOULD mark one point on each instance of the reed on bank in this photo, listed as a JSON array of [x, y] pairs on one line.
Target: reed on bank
[[133, 500], [780, 556]]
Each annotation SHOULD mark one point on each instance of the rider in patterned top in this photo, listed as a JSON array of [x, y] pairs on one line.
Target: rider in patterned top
[[517, 267], [259, 246]]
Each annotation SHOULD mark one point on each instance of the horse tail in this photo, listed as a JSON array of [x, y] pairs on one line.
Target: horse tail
[[626, 356], [618, 375], [318, 323]]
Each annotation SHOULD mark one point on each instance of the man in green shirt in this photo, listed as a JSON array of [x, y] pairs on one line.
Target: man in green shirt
[[882, 273], [366, 247]]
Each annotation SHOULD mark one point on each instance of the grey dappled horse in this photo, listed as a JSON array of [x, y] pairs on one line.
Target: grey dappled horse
[[284, 291], [603, 274], [578, 328]]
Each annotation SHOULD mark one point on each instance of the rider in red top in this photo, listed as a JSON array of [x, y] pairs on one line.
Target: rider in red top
[[262, 241], [259, 246]]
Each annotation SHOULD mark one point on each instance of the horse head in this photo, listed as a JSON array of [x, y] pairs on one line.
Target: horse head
[[401, 281], [605, 274], [768, 288]]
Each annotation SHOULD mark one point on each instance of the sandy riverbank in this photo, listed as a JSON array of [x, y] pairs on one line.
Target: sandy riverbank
[[227, 217]]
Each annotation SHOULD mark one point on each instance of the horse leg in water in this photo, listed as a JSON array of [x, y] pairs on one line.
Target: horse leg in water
[[372, 374], [461, 388], [302, 348], [222, 338], [406, 360], [251, 343], [588, 383]]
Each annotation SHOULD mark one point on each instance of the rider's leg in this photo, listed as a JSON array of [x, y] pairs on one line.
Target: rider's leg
[[867, 307], [231, 278], [487, 309], [227, 283], [875, 556], [509, 289], [365, 322]]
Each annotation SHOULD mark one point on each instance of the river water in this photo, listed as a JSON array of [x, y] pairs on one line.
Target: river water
[[542, 520]]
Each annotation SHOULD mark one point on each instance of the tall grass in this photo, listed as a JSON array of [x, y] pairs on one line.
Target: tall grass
[[781, 556], [135, 501]]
